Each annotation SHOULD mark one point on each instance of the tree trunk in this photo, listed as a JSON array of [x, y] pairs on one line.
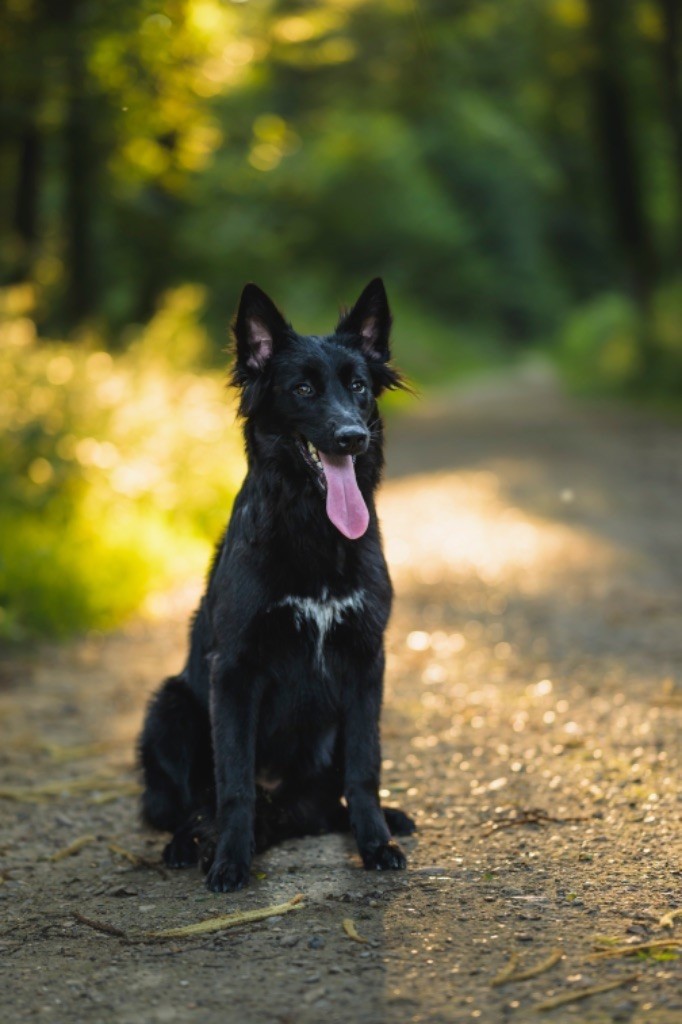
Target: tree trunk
[[614, 136], [25, 221], [78, 167], [671, 69]]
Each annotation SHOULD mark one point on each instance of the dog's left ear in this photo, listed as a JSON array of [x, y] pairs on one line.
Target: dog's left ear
[[257, 327], [370, 321]]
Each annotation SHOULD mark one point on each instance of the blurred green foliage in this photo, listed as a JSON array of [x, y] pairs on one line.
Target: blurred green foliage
[[513, 169], [607, 345], [499, 163], [116, 473]]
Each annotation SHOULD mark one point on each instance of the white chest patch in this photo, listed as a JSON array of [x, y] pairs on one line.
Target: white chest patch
[[323, 612]]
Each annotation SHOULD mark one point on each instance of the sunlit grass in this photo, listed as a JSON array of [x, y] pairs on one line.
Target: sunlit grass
[[116, 472]]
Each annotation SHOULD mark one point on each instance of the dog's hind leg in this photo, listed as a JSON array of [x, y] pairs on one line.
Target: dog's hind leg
[[311, 813], [335, 818], [175, 753], [309, 807]]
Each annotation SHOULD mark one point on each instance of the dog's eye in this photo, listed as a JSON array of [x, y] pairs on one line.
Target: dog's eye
[[304, 390], [359, 387]]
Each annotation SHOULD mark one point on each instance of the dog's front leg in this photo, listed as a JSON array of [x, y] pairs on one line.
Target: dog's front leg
[[235, 699], [362, 771]]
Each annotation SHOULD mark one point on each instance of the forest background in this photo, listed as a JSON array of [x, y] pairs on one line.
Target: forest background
[[512, 169]]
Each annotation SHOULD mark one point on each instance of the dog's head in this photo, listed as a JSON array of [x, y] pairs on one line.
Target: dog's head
[[318, 394]]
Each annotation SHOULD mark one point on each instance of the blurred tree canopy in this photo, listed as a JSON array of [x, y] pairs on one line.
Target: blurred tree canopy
[[503, 163], [513, 168]]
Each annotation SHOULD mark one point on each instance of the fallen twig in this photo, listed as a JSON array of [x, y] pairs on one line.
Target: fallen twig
[[29, 794], [668, 919], [508, 974], [213, 924], [64, 754], [74, 847], [125, 789], [216, 924], [21, 794], [637, 947], [100, 926], [136, 859], [585, 993], [533, 816], [352, 932]]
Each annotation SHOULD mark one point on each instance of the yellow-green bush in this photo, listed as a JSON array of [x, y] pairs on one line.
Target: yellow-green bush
[[608, 345], [117, 472]]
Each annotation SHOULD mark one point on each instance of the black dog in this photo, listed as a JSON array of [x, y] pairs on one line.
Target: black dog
[[275, 717]]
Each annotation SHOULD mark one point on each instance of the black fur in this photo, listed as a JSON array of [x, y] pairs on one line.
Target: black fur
[[273, 719]]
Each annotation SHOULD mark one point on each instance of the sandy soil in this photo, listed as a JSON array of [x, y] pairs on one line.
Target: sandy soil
[[532, 726]]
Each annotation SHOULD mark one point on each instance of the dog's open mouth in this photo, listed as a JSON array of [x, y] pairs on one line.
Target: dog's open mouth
[[335, 475], [312, 458]]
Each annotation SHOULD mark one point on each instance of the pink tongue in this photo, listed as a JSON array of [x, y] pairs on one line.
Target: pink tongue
[[345, 505]]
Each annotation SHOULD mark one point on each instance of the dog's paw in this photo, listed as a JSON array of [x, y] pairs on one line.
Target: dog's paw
[[385, 857], [182, 851], [399, 823], [227, 875]]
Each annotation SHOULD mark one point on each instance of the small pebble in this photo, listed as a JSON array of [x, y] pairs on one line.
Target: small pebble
[[637, 929], [316, 942], [122, 890], [319, 992], [623, 1010]]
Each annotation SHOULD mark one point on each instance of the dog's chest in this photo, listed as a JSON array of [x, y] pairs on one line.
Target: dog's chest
[[321, 614]]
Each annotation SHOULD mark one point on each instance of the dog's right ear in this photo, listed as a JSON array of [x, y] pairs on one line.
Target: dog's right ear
[[257, 328]]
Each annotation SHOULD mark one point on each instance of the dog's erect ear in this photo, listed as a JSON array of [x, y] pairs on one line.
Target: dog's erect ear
[[257, 328], [370, 320]]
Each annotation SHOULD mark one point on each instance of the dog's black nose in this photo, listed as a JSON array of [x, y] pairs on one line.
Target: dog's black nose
[[352, 440]]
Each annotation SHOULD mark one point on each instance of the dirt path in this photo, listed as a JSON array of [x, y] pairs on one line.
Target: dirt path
[[535, 664]]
